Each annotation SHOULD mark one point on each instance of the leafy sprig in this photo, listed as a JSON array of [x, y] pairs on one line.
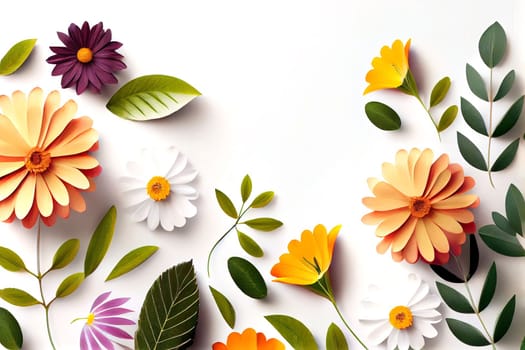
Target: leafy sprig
[[16, 56]]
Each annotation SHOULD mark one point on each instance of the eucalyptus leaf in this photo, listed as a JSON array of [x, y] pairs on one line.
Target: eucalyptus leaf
[[446, 274], [16, 56], [65, 254], [18, 297], [100, 241], [382, 116], [10, 332], [168, 317], [294, 331], [489, 288], [263, 224], [471, 153], [454, 299], [335, 338], [500, 241], [447, 118], [247, 277], [249, 245], [225, 307], [506, 157], [476, 83], [505, 319], [503, 223], [246, 188], [151, 97], [506, 85], [473, 117], [466, 333], [262, 199], [515, 208], [510, 118], [70, 284], [439, 91], [10, 260], [131, 260], [492, 45], [226, 204]]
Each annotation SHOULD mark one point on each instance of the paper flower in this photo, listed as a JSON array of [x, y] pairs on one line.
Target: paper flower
[[88, 59], [421, 208], [403, 316], [158, 189], [44, 157], [101, 323], [249, 340]]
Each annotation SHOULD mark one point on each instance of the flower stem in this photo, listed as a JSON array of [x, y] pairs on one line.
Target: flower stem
[[347, 325], [429, 115], [491, 103]]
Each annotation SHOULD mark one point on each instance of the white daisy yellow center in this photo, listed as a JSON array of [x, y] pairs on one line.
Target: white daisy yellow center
[[158, 188], [419, 206], [90, 319], [401, 317], [37, 160], [84, 55]]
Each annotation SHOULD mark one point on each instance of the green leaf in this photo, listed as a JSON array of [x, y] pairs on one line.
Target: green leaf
[[10, 332], [500, 241], [247, 277], [131, 260], [509, 119], [502, 223], [262, 200], [382, 116], [515, 208], [439, 91], [168, 317], [65, 254], [505, 319], [151, 97], [476, 83], [447, 118], [335, 338], [16, 56], [489, 288], [226, 204], [471, 153], [455, 300], [294, 331], [466, 333], [473, 117], [492, 45], [10, 260], [473, 256], [70, 284], [225, 307], [446, 274], [246, 188], [249, 245], [522, 347], [100, 241], [263, 224], [18, 297], [506, 85], [506, 157]]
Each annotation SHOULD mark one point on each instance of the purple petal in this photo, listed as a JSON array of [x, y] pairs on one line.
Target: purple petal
[[103, 41], [55, 59], [105, 341], [108, 65], [114, 331], [60, 50], [83, 338], [84, 34], [113, 312], [110, 304], [61, 68], [66, 40], [83, 81], [93, 79], [76, 37], [101, 298], [114, 45], [117, 321], [93, 343], [94, 36]]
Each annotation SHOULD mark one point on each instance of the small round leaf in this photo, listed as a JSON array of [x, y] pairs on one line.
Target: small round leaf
[[382, 116]]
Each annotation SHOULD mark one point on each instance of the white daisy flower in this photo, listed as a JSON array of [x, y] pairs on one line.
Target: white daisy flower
[[158, 189], [403, 316]]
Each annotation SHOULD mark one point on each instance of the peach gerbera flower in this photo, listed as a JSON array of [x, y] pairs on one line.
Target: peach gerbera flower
[[44, 157], [249, 340], [421, 208]]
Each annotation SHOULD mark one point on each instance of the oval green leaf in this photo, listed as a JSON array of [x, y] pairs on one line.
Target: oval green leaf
[[476, 83], [70, 284], [335, 338], [10, 260], [247, 277], [18, 297], [447, 118], [16, 56], [509, 119], [473, 117], [246, 188], [506, 85], [492, 45], [151, 97], [262, 200], [382, 116], [506, 157], [65, 254], [505, 319], [455, 300], [466, 333], [263, 224], [249, 245], [131, 260], [294, 331], [471, 153], [522, 347], [226, 204], [515, 208], [473, 256], [439, 91], [10, 332], [489, 288], [225, 307], [503, 223], [500, 241], [100, 241]]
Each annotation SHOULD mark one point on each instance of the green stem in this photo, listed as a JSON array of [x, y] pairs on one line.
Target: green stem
[[429, 115], [491, 103]]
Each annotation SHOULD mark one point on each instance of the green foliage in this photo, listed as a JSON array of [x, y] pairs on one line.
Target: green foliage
[[506, 157], [10, 260], [489, 288], [492, 45], [335, 338], [70, 284], [131, 260], [509, 119], [466, 333], [382, 116], [226, 204], [439, 91], [225, 307], [505, 319], [18, 297], [294, 331], [246, 188], [65, 254], [263, 224], [262, 199], [447, 118], [473, 117], [247, 278], [506, 85], [249, 245], [10, 332], [100, 241], [16, 56], [454, 299], [476, 83], [471, 153]]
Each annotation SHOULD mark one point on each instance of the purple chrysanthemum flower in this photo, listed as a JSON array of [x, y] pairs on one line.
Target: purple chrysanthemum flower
[[88, 59], [101, 322]]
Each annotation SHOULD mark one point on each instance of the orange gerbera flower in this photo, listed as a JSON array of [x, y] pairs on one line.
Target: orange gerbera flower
[[44, 157], [248, 340], [421, 209]]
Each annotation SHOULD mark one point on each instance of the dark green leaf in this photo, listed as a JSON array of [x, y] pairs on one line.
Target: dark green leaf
[[294, 331], [447, 118], [505, 319], [246, 188], [466, 333], [473, 117], [506, 157], [226, 204], [225, 307], [446, 274], [335, 338], [522, 347], [247, 277], [382, 116], [263, 224], [505, 86], [262, 200], [100, 241], [471, 153], [70, 284], [65, 254], [131, 260], [515, 208], [489, 288], [476, 83], [473, 256], [455, 300], [502, 223], [10, 260], [170, 311], [16, 56], [249, 245], [10, 332], [500, 241], [492, 45], [439, 91], [510, 118], [18, 297]]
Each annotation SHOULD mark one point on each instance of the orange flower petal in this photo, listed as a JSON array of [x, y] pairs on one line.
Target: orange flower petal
[[50, 106], [19, 117], [10, 183], [57, 188], [425, 247], [12, 144], [446, 222], [453, 185], [403, 234], [383, 204], [422, 170], [43, 197], [59, 120], [436, 179], [7, 207], [456, 202], [10, 167], [411, 253], [461, 215], [82, 161], [34, 115], [71, 175], [437, 236], [392, 222], [384, 244], [25, 196]]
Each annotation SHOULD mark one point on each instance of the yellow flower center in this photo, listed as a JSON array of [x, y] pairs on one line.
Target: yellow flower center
[[401, 317], [158, 188], [37, 160], [84, 55], [419, 206], [90, 319]]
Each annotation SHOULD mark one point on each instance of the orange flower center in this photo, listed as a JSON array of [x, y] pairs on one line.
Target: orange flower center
[[84, 55], [419, 206], [158, 188], [401, 317], [37, 160]]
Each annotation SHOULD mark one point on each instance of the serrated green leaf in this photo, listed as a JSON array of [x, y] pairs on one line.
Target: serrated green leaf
[[263, 224], [506, 85], [226, 204], [131, 260], [446, 274], [489, 288], [100, 241], [10, 332], [505, 319], [447, 118], [151, 97], [65, 254], [454, 299], [18, 297], [168, 317], [476, 83], [466, 333], [247, 277], [503, 223], [249, 245], [439, 91], [335, 338], [10, 260], [16, 56], [515, 208], [471, 153], [294, 331], [70, 284], [492, 45], [225, 307], [473, 256], [509, 119], [506, 157], [262, 200], [500, 241], [246, 188], [473, 117], [382, 116]]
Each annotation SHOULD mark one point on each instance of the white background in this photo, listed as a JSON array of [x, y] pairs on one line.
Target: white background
[[281, 85]]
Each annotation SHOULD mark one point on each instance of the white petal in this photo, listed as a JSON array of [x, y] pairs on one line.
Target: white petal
[[167, 216], [179, 164], [425, 328], [135, 168], [183, 178], [185, 190], [403, 341], [427, 314], [370, 310], [415, 338], [419, 294], [392, 339], [132, 183], [141, 210], [153, 216], [430, 302], [183, 207], [380, 332], [134, 197]]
